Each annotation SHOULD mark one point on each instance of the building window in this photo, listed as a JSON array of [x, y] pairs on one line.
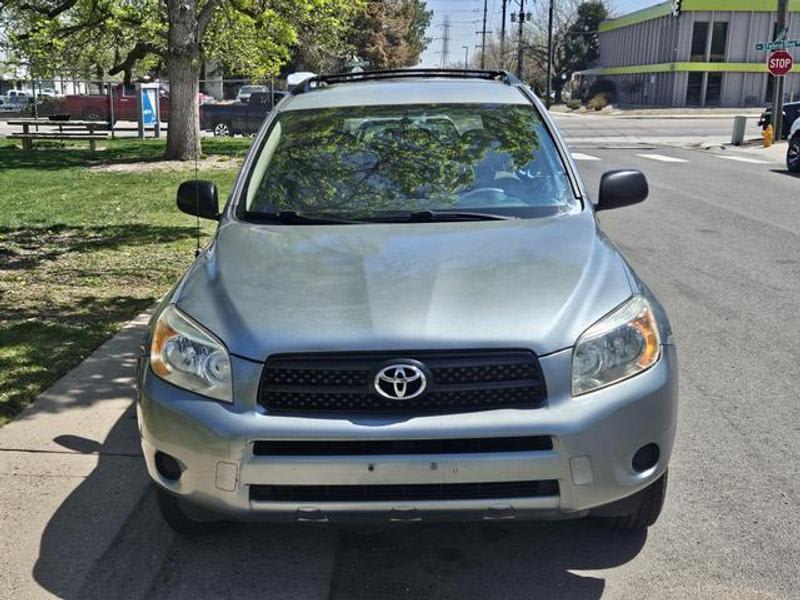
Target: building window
[[719, 38], [714, 89], [694, 91], [699, 41]]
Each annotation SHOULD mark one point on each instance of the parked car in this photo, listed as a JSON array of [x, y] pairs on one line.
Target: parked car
[[97, 107], [15, 104], [248, 90], [401, 325], [793, 151], [19, 95], [226, 119], [791, 110]]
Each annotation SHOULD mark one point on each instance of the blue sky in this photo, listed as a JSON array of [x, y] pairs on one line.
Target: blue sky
[[465, 20]]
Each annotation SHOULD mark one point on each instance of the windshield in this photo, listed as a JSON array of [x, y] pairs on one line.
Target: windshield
[[376, 161]]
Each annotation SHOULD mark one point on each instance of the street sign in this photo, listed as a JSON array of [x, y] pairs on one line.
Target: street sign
[[779, 45], [780, 63]]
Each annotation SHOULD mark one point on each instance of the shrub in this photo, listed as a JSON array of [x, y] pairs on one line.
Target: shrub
[[599, 102], [603, 86], [573, 104]]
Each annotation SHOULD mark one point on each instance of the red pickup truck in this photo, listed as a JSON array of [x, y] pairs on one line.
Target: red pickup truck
[[97, 107]]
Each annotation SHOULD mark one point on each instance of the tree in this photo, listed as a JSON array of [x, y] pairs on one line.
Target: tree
[[575, 39], [390, 34], [255, 35]]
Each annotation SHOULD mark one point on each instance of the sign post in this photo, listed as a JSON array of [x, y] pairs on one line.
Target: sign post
[[779, 63]]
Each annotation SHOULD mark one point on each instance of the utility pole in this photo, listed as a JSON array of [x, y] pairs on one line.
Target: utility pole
[[503, 35], [521, 19], [549, 54], [777, 103], [466, 57], [483, 33], [445, 51]]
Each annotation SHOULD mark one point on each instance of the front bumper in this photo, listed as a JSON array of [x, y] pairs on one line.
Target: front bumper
[[594, 438]]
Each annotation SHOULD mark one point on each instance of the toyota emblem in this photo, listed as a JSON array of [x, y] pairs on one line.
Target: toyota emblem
[[400, 381]]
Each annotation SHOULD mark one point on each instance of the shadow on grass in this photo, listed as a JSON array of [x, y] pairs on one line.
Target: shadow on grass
[[25, 247], [51, 156], [40, 346]]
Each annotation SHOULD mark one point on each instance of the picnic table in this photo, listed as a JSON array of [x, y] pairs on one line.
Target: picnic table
[[66, 130]]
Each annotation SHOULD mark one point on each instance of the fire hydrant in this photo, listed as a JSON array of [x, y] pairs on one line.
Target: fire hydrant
[[769, 135]]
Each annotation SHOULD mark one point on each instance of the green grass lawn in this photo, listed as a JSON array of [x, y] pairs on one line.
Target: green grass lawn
[[86, 243]]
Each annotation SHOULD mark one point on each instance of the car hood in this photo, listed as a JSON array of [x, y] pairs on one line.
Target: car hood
[[534, 283]]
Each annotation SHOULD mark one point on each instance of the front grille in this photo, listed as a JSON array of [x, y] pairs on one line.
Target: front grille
[[403, 492], [377, 447], [458, 381]]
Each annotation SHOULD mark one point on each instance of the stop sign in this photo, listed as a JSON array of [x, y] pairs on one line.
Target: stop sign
[[780, 63]]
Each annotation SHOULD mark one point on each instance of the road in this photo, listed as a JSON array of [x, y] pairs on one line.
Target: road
[[719, 242]]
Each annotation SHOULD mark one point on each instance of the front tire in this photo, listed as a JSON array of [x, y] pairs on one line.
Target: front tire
[[650, 501], [222, 129], [176, 517], [793, 155], [92, 115]]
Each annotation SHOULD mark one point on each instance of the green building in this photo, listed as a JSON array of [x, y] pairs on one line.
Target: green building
[[693, 53]]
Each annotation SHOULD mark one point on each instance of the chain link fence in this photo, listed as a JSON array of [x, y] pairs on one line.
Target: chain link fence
[[227, 106]]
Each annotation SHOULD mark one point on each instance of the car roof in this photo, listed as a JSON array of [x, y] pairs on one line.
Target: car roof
[[431, 90]]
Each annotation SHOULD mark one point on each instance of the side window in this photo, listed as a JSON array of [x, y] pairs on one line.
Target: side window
[[694, 90], [719, 38], [699, 41]]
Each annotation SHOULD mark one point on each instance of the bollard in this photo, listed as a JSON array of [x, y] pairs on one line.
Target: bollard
[[768, 136], [739, 126]]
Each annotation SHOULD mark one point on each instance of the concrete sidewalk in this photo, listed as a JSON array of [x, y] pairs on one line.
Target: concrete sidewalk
[[71, 473], [775, 153], [79, 520]]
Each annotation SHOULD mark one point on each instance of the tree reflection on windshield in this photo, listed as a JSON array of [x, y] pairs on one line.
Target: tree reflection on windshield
[[362, 161]]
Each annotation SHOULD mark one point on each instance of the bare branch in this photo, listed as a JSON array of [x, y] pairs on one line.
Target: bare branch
[[138, 52]]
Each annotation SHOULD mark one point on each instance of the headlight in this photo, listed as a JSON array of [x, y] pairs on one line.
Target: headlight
[[620, 345], [189, 357]]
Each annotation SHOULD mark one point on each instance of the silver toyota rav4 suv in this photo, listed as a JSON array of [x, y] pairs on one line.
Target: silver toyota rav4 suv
[[408, 312]]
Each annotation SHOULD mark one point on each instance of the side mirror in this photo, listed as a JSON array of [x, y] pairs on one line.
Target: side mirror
[[622, 188], [199, 198]]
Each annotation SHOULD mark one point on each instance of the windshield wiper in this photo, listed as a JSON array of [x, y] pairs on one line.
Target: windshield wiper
[[293, 217], [427, 216]]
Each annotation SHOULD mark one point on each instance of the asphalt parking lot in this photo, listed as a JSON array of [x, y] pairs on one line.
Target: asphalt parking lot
[[718, 241]]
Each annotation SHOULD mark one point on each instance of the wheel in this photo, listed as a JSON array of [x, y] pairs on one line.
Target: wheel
[[649, 503], [793, 155], [177, 519], [222, 129], [92, 115]]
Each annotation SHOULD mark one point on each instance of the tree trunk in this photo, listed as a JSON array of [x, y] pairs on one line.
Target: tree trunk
[[183, 66]]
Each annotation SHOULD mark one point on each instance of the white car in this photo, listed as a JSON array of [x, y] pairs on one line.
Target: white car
[[793, 153], [18, 93], [247, 90]]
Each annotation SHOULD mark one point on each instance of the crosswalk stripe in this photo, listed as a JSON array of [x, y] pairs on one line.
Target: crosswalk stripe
[[744, 159], [662, 158], [580, 156]]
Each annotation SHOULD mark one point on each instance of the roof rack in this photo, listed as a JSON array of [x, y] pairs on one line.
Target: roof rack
[[322, 80]]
